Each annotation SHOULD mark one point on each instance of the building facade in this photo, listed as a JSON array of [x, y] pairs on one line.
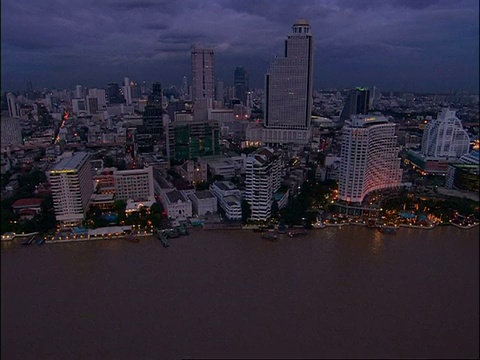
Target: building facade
[[445, 136], [369, 158], [72, 186], [134, 184], [203, 73], [357, 102], [240, 78], [288, 89], [262, 180]]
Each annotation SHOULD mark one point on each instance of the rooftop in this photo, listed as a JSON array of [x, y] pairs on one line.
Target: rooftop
[[71, 163]]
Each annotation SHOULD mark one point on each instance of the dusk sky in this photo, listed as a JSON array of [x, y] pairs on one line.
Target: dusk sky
[[405, 45]]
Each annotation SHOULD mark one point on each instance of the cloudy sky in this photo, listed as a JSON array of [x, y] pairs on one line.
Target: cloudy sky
[[405, 45]]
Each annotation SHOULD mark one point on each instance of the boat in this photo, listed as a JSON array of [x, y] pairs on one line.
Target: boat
[[388, 229], [297, 233], [270, 236], [319, 225], [164, 240]]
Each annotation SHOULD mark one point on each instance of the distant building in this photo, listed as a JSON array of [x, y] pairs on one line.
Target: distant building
[[445, 136], [288, 90], [13, 106], [203, 73], [240, 79], [11, 131], [464, 174], [113, 94], [357, 102], [192, 139], [72, 186], [369, 158]]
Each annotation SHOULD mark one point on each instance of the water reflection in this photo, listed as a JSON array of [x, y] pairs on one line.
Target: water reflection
[[377, 245]]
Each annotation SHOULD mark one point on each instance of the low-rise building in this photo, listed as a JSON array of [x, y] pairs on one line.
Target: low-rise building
[[229, 198], [203, 202]]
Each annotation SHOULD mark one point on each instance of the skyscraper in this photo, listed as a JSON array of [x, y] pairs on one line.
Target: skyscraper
[[369, 157], [13, 107], [203, 73], [113, 94], [127, 91], [288, 89], [241, 84], [358, 102]]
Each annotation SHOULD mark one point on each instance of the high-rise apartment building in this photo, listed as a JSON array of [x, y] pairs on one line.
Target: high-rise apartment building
[[263, 179], [357, 102], [288, 90], [203, 73], [72, 186], [445, 136], [240, 78], [369, 158]]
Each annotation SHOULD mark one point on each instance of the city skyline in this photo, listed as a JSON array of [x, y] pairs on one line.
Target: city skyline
[[420, 46]]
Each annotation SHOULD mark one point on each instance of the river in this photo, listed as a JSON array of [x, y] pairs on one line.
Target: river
[[338, 292]]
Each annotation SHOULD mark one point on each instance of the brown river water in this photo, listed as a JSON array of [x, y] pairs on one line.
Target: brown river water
[[338, 292]]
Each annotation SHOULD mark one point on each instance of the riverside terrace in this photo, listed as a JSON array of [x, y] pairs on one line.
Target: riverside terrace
[[110, 232]]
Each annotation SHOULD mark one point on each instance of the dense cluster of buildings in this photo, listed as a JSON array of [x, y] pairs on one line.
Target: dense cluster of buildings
[[125, 143]]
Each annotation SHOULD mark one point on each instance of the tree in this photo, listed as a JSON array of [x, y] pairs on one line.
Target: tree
[[246, 210]]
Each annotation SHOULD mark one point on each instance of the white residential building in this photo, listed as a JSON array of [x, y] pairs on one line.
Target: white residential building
[[369, 157], [229, 197], [71, 181], [263, 179], [445, 136], [176, 204], [134, 184]]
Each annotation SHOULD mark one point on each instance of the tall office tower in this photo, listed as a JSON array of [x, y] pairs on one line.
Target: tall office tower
[[155, 97], [134, 184], [288, 90], [219, 91], [127, 91], [99, 94], [13, 107], [203, 73], [445, 137], [78, 92], [369, 157], [263, 179], [72, 187], [113, 94], [185, 88], [240, 78], [357, 103], [92, 104]]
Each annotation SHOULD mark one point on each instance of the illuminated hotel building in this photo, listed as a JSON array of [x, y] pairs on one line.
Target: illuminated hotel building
[[369, 158], [72, 186], [288, 90]]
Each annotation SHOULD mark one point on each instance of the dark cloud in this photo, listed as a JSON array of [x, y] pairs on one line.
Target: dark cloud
[[388, 42]]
